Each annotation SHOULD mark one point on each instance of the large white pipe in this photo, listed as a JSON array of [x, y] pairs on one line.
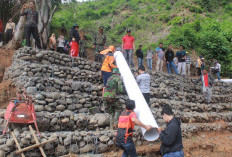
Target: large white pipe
[[142, 110]]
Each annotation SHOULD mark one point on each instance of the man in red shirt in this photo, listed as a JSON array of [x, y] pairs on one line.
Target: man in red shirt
[[128, 47], [207, 82], [126, 123]]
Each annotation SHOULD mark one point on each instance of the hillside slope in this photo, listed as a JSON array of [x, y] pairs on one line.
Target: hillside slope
[[202, 25]]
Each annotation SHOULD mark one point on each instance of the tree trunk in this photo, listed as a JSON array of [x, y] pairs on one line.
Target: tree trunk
[[44, 22], [44, 7], [17, 39]]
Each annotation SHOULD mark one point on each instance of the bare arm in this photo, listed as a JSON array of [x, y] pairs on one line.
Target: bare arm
[[137, 122]]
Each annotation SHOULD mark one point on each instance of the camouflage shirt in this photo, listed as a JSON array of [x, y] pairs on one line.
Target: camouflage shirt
[[114, 87], [99, 39]]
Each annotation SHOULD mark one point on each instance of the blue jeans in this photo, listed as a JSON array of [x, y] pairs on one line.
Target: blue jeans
[[128, 56], [175, 154], [129, 149], [170, 66], [105, 77], [218, 76], [140, 62], [149, 63]]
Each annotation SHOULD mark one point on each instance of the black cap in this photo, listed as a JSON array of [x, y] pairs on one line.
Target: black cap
[[142, 68], [75, 25], [101, 27], [128, 30]]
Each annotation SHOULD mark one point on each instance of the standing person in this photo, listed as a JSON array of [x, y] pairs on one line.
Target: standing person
[[143, 80], [74, 48], [188, 63], [83, 47], [108, 65], [217, 70], [61, 44], [9, 30], [159, 57], [124, 134], [207, 82], [171, 137], [1, 33], [99, 43], [198, 66], [169, 55], [202, 64], [150, 55], [31, 24], [181, 55], [128, 47], [52, 42], [113, 88], [74, 33], [139, 54]]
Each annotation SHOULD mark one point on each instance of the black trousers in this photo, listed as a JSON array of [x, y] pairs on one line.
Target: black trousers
[[147, 98], [1, 37], [9, 35], [199, 71], [32, 31], [60, 49]]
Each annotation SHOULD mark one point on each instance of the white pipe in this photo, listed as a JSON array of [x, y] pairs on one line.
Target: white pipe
[[142, 110]]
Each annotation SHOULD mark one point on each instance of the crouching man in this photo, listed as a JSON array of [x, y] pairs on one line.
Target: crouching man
[[171, 137]]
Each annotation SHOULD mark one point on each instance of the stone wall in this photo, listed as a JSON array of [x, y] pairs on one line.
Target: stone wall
[[67, 96]]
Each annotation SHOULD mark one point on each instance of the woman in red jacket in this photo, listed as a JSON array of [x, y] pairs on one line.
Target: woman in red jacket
[[74, 48]]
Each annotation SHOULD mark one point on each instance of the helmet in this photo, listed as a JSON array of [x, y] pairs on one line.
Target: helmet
[[115, 71], [111, 48]]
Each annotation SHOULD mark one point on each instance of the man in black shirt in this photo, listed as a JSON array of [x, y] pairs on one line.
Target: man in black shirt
[[31, 23], [139, 54], [171, 137], [169, 55]]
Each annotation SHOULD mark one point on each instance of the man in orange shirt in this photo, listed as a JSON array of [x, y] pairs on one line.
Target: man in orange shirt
[[108, 64], [126, 123]]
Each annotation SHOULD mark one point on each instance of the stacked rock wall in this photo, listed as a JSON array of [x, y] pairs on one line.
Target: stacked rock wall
[[67, 96]]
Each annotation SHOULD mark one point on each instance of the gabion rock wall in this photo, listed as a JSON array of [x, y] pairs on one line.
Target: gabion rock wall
[[67, 98]]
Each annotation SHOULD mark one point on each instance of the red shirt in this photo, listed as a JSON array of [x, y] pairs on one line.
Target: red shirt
[[206, 80], [128, 42], [1, 27]]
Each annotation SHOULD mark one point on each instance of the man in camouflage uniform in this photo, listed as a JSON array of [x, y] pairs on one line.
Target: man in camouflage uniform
[[114, 87], [99, 43], [83, 47]]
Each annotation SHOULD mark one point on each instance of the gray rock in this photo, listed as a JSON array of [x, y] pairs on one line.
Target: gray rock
[[74, 149], [102, 148], [68, 140], [60, 150], [60, 107], [87, 148], [104, 139], [31, 90]]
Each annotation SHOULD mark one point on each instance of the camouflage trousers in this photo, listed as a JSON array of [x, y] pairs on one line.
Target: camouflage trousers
[[98, 56], [114, 109]]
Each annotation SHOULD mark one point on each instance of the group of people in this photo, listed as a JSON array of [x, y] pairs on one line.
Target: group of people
[[75, 46]]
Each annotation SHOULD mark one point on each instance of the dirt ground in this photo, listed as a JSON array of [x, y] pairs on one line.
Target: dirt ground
[[6, 88], [204, 144]]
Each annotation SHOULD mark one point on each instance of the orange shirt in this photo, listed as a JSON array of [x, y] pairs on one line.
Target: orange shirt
[[108, 63]]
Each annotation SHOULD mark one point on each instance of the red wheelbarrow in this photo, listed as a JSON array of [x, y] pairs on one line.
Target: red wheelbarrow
[[20, 111]]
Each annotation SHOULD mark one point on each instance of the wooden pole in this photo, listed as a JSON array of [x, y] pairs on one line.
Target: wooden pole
[[37, 141], [35, 145], [17, 144]]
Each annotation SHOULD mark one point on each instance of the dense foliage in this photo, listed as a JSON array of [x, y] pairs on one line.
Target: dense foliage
[[201, 25]]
